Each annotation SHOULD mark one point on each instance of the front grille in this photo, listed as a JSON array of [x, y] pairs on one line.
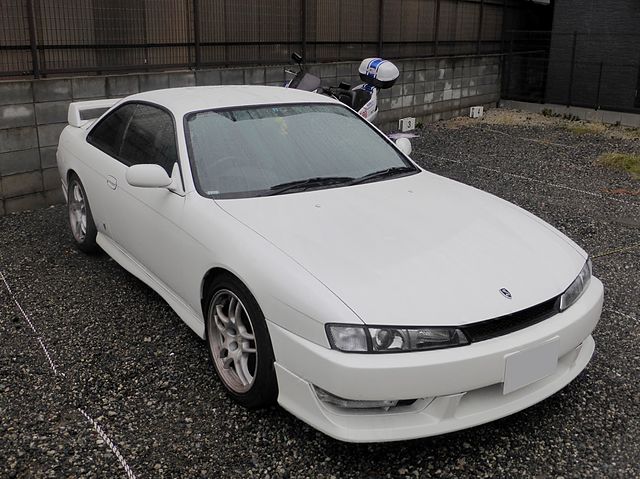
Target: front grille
[[492, 328]]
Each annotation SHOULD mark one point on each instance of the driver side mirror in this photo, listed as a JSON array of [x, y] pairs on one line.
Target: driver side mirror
[[404, 145], [296, 57], [148, 176]]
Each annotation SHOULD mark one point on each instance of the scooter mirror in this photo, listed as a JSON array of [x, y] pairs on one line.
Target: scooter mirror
[[404, 145], [296, 57]]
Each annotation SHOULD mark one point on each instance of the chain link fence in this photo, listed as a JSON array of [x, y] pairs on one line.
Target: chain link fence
[[591, 70], [48, 37]]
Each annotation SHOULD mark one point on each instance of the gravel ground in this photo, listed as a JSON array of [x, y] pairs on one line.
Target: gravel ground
[[105, 352]]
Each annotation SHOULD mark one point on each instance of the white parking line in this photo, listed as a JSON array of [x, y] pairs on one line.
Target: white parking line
[[534, 180], [533, 140], [622, 249], [17, 304], [620, 313], [106, 439], [33, 328], [46, 353], [95, 425]]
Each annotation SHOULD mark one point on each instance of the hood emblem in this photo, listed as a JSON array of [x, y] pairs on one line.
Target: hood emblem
[[505, 292]]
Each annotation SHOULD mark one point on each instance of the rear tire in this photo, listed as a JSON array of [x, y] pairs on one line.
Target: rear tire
[[81, 222], [239, 343]]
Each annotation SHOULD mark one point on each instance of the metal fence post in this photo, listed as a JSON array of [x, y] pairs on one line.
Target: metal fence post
[[636, 103], [380, 26], [508, 71], [33, 39], [196, 32], [573, 65], [597, 106], [436, 28], [303, 27], [480, 27]]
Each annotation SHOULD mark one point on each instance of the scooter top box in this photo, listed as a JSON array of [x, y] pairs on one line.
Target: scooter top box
[[378, 72]]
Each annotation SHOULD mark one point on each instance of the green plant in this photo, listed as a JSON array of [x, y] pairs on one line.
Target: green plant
[[621, 161]]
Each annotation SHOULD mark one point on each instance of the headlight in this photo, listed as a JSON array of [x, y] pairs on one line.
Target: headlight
[[382, 339], [576, 288]]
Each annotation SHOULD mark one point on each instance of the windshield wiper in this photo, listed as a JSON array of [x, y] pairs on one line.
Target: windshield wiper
[[308, 183], [376, 175]]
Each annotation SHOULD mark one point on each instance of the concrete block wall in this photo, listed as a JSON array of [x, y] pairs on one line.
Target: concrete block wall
[[439, 89], [34, 112]]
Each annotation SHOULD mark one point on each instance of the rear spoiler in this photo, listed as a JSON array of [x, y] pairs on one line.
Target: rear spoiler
[[81, 112]]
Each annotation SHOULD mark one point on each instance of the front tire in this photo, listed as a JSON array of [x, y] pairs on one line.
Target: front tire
[[239, 343], [81, 222]]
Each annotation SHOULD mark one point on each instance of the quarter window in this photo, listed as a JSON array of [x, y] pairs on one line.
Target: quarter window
[[150, 138], [107, 135]]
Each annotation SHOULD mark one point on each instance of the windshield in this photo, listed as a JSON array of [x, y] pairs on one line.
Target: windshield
[[255, 151]]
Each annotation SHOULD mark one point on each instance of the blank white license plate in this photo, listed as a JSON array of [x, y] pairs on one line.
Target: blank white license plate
[[529, 365]]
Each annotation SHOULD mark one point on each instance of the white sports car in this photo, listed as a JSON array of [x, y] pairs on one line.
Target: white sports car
[[372, 299]]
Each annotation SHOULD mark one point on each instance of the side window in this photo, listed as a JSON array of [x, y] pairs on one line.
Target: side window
[[107, 135], [150, 138]]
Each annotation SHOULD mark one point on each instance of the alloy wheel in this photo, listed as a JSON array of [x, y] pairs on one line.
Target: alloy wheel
[[78, 212], [232, 341]]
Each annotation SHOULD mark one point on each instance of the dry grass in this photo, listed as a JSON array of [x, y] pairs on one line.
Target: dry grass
[[586, 128], [621, 161], [508, 117], [502, 116]]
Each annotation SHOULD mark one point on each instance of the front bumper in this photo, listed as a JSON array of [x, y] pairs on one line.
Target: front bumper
[[458, 388]]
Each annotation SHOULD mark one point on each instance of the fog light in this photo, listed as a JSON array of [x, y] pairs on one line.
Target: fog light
[[329, 398]]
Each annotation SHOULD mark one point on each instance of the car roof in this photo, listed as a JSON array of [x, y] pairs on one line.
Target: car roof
[[187, 99]]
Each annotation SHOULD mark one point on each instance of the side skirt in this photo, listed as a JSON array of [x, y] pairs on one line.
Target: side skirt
[[184, 311]]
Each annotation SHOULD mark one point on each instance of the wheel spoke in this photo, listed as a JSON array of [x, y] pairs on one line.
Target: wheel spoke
[[244, 334], [79, 233], [237, 314], [232, 309], [221, 319], [242, 369], [226, 362]]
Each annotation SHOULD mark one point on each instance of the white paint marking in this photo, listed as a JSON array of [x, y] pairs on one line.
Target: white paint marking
[[620, 313], [109, 443], [18, 304], [46, 353], [95, 425], [533, 140], [534, 180]]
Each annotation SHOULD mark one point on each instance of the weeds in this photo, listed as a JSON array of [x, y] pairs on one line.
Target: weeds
[[621, 161], [587, 128]]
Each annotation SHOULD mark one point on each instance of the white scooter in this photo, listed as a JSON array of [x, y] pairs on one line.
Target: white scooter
[[376, 74]]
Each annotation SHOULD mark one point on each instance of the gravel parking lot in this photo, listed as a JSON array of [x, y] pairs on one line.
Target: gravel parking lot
[[99, 378]]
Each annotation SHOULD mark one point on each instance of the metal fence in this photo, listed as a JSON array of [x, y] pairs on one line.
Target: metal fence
[[44, 37], [592, 70]]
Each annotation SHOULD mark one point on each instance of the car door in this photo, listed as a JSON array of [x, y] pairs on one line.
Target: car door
[[147, 222], [98, 159]]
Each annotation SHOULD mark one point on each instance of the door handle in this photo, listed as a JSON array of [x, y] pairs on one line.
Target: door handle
[[112, 182]]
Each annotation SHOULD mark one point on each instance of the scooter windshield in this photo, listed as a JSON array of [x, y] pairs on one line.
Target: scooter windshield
[[305, 81]]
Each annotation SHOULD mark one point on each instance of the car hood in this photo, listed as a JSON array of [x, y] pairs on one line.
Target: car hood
[[416, 250]]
